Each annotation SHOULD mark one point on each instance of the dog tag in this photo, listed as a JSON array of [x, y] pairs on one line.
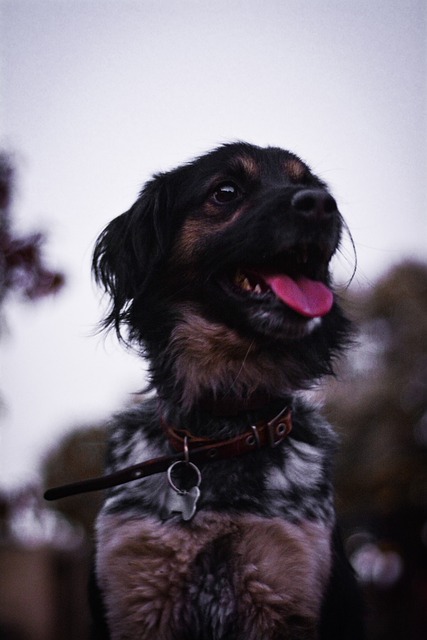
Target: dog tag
[[182, 500]]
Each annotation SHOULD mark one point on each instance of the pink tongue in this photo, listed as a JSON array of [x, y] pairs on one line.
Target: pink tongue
[[309, 298]]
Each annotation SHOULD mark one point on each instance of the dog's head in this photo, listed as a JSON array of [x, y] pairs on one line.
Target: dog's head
[[220, 272]]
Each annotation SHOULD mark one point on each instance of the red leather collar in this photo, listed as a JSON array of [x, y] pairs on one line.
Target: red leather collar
[[264, 433]]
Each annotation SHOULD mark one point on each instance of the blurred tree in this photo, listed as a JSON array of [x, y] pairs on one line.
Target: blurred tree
[[379, 399], [22, 270], [379, 402], [80, 455], [43, 560], [22, 267]]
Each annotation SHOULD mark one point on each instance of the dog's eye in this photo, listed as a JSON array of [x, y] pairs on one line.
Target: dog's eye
[[226, 192]]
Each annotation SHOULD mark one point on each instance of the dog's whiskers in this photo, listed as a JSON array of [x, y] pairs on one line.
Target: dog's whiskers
[[242, 366], [350, 261]]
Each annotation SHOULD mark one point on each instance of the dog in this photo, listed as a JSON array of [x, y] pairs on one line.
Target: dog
[[219, 275]]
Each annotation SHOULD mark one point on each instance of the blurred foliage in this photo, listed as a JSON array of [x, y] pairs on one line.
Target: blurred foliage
[[80, 455], [379, 404], [22, 266], [379, 399]]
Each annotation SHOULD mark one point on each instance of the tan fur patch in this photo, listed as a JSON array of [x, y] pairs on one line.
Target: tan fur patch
[[190, 238], [295, 169], [249, 165], [194, 231], [211, 356], [280, 572], [284, 569]]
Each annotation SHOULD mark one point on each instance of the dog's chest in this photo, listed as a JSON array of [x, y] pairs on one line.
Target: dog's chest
[[218, 577]]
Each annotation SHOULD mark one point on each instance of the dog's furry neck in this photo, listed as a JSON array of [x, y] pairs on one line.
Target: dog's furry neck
[[202, 362], [228, 404]]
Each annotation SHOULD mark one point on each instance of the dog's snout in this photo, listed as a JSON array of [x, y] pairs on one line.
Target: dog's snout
[[314, 203]]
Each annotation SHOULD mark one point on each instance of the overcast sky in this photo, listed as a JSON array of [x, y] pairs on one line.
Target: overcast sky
[[98, 95]]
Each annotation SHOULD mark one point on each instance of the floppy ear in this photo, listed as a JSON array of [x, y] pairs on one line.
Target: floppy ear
[[131, 247]]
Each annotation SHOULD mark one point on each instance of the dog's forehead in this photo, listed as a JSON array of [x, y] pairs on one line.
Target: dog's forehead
[[254, 162]]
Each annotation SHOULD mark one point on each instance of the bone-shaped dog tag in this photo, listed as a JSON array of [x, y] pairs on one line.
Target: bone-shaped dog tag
[[184, 503], [182, 500]]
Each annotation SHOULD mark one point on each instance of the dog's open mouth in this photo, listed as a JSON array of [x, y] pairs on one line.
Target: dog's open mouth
[[295, 283], [307, 297]]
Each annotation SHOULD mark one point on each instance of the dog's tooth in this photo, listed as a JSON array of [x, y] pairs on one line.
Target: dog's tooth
[[246, 285], [239, 277], [241, 280]]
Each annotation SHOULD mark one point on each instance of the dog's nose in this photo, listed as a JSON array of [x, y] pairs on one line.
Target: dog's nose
[[314, 203]]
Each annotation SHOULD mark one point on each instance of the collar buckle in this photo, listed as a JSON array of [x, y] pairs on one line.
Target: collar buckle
[[279, 427]]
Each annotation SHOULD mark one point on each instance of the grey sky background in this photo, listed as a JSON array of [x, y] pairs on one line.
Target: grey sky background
[[98, 95]]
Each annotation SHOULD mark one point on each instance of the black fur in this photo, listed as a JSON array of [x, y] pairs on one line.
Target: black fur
[[186, 271]]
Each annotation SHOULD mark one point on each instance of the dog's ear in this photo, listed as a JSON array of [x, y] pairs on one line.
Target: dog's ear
[[131, 247]]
